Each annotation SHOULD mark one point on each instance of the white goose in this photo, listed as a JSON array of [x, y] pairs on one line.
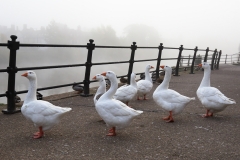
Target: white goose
[[101, 89], [211, 98], [43, 114], [127, 92], [115, 113], [145, 86], [168, 99]]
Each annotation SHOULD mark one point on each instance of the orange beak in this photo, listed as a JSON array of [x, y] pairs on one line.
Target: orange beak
[[25, 74], [104, 74], [94, 77], [200, 65], [152, 67], [162, 67]]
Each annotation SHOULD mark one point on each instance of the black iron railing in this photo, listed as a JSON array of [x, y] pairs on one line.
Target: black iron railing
[[12, 69]]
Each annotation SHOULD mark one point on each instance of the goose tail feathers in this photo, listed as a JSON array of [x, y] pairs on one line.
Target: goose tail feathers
[[66, 109], [139, 112], [192, 98], [231, 101]]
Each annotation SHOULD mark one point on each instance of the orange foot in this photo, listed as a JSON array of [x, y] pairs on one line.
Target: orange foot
[[166, 118], [169, 118], [207, 114], [38, 134], [145, 97], [112, 132]]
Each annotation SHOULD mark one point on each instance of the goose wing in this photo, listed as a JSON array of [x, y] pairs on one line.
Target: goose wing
[[125, 92], [171, 96], [144, 85], [213, 95]]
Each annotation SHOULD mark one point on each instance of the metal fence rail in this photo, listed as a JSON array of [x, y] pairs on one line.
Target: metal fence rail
[[12, 69], [219, 58]]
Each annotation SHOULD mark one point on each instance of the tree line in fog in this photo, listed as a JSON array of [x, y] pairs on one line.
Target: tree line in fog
[[57, 33]]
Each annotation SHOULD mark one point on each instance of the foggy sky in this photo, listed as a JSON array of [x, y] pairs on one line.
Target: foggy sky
[[201, 23]]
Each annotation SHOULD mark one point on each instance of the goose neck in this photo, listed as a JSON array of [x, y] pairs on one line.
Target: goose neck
[[165, 82], [147, 75], [32, 89], [102, 87], [206, 78], [113, 88], [133, 82]]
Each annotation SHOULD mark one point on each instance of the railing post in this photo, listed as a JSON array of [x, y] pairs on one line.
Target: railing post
[[219, 57], [131, 61], [178, 60], [206, 54], [181, 61], [226, 59], [188, 60], [193, 61], [215, 60], [213, 57], [88, 64], [160, 48], [13, 46]]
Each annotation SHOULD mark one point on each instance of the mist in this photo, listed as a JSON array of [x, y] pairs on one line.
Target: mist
[[204, 23], [57, 33]]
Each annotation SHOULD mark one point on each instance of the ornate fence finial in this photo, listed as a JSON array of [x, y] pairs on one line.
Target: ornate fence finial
[[13, 37], [91, 41]]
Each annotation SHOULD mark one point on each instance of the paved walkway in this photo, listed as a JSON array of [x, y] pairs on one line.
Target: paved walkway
[[80, 135]]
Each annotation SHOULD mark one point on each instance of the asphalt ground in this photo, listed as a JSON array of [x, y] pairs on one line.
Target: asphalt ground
[[81, 135]]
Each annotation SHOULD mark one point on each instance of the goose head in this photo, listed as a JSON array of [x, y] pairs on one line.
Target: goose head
[[166, 68], [133, 75], [204, 65], [149, 67], [98, 77], [109, 74], [30, 75]]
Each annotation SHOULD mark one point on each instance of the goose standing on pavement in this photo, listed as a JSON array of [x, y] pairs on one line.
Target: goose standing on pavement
[[168, 99], [145, 86], [127, 92], [115, 114], [211, 98], [43, 114]]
